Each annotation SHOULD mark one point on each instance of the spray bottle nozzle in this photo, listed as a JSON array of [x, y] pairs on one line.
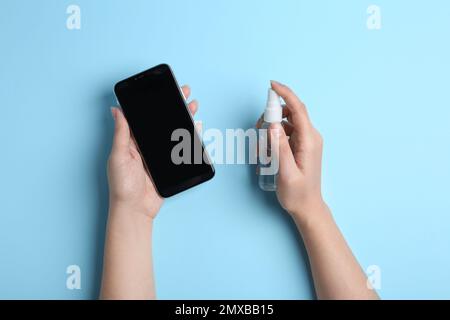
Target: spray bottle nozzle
[[273, 112], [272, 97]]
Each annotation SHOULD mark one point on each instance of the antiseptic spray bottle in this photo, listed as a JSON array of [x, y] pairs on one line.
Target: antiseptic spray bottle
[[267, 168]]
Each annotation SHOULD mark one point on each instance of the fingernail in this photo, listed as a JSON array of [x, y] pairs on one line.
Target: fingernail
[[273, 82], [113, 113]]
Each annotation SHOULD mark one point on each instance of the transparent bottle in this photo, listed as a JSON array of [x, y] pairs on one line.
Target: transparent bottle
[[267, 169]]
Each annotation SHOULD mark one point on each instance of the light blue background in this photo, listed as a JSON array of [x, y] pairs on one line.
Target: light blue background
[[380, 99]]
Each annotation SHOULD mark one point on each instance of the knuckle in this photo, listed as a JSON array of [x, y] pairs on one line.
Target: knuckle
[[302, 104], [314, 141], [309, 144], [319, 138], [288, 89], [288, 92]]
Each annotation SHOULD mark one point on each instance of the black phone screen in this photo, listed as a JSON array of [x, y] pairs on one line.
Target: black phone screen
[[155, 108]]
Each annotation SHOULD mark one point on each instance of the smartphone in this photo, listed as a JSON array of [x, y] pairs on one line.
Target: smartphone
[[156, 111]]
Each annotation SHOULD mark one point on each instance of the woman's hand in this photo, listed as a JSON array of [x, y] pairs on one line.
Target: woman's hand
[[298, 147], [300, 156], [134, 202], [130, 186]]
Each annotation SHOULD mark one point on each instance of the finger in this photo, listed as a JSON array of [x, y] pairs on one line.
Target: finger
[[193, 106], [186, 91], [260, 121], [134, 150], [121, 129], [282, 150], [133, 143], [297, 110], [285, 111], [288, 127], [199, 126]]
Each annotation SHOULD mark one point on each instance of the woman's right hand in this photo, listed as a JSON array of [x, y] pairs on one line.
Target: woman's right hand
[[300, 157], [336, 272]]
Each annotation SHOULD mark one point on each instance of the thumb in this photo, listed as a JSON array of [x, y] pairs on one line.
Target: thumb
[[281, 149], [121, 129]]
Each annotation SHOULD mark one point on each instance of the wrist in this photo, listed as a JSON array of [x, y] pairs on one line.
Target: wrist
[[132, 210], [129, 228], [124, 217], [311, 214]]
